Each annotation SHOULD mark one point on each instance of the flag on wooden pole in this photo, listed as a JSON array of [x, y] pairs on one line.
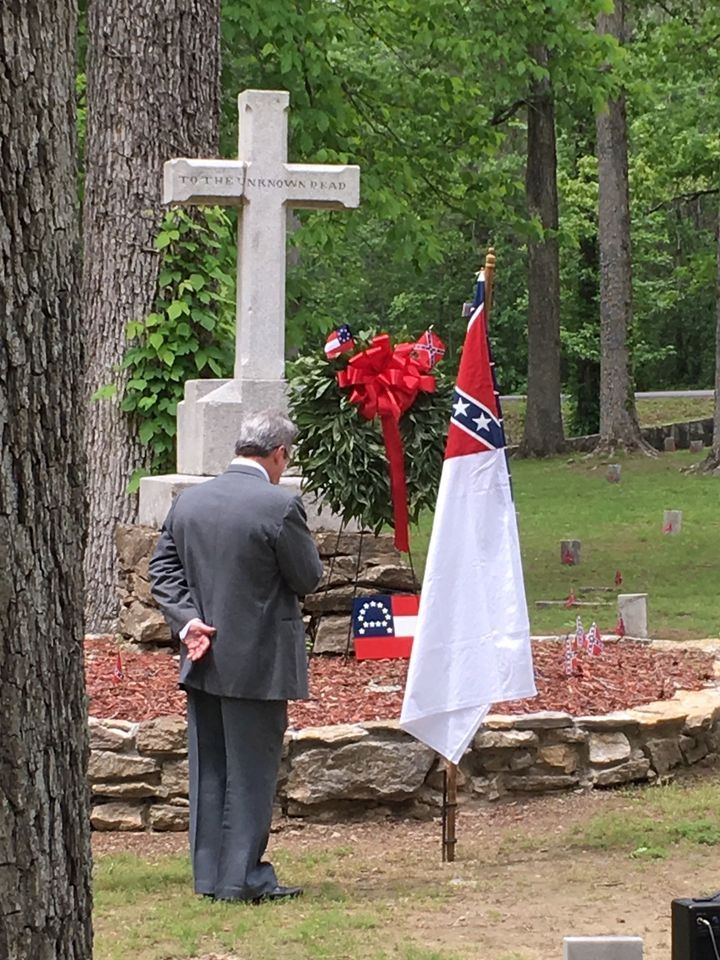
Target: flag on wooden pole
[[472, 641]]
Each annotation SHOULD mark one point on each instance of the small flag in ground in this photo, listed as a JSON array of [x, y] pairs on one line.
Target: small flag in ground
[[118, 672], [595, 641], [579, 638], [384, 626], [618, 578], [620, 627], [429, 349], [571, 599], [587, 639], [339, 341], [570, 658], [568, 559]]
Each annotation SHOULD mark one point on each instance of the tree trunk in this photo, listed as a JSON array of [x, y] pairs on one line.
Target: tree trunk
[[618, 418], [711, 464], [543, 420], [153, 94], [44, 830]]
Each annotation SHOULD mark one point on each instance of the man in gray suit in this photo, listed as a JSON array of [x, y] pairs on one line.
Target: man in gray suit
[[234, 557]]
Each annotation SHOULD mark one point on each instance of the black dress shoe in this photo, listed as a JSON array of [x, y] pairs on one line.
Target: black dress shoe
[[279, 893]]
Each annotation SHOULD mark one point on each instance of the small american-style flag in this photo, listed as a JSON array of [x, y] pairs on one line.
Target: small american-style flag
[[339, 341]]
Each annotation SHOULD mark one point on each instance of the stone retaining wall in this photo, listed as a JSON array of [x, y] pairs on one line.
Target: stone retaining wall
[[138, 771], [381, 569]]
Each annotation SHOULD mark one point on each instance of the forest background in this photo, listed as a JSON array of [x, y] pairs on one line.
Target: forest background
[[472, 127], [473, 124], [430, 99]]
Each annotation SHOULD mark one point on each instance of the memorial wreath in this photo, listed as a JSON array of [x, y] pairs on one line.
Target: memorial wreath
[[373, 419]]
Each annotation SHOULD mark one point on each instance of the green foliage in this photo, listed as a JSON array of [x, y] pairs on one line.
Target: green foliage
[[397, 86], [342, 454], [439, 134], [190, 333]]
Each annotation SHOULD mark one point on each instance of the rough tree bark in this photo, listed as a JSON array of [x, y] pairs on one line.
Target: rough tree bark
[[153, 94], [711, 464], [619, 425], [543, 421], [44, 830]]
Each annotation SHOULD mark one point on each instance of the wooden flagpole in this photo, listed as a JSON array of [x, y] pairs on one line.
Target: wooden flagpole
[[449, 809]]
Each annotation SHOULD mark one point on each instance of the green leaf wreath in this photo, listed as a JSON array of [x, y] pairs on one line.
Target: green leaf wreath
[[342, 455]]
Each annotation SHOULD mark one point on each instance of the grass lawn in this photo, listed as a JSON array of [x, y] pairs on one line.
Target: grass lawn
[[620, 528], [526, 874]]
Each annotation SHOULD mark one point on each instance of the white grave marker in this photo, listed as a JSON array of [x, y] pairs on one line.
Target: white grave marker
[[264, 187], [632, 609]]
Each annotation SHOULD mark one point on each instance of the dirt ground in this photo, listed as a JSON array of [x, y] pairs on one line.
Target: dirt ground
[[516, 887]]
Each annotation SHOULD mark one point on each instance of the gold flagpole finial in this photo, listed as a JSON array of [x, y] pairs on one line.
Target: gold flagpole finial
[[490, 260]]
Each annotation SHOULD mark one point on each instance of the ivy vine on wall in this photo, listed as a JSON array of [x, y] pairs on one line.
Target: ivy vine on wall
[[190, 334]]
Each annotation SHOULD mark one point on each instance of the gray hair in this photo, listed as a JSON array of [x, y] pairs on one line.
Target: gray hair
[[261, 433]]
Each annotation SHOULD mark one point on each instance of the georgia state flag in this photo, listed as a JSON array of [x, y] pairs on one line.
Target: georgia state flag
[[339, 341], [472, 641], [384, 626]]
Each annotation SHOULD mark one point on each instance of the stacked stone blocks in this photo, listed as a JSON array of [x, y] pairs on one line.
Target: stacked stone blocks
[[138, 772]]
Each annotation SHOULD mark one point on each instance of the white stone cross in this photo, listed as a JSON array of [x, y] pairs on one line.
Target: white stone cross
[[263, 185]]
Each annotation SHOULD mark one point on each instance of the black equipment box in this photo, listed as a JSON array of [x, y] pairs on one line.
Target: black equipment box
[[696, 928]]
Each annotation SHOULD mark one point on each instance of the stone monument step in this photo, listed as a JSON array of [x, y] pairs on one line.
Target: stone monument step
[[158, 493]]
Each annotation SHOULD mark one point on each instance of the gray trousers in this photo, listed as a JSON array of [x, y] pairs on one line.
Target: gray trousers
[[234, 750]]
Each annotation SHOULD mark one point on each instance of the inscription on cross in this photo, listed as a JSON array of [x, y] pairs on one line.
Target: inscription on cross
[[263, 185]]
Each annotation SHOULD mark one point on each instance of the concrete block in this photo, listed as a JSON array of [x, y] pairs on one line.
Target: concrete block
[[158, 493], [602, 948]]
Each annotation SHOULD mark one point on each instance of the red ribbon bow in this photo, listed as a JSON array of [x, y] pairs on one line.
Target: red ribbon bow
[[384, 383]]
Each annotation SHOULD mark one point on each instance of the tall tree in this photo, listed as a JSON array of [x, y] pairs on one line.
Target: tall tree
[[153, 94], [44, 830], [543, 422], [618, 417], [712, 461]]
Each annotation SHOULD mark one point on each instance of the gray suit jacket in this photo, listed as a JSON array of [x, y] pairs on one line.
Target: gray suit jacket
[[236, 552]]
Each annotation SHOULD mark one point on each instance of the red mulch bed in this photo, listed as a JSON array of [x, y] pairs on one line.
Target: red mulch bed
[[346, 691]]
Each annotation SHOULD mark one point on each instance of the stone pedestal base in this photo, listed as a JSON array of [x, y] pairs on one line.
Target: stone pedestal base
[[208, 418], [158, 493]]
